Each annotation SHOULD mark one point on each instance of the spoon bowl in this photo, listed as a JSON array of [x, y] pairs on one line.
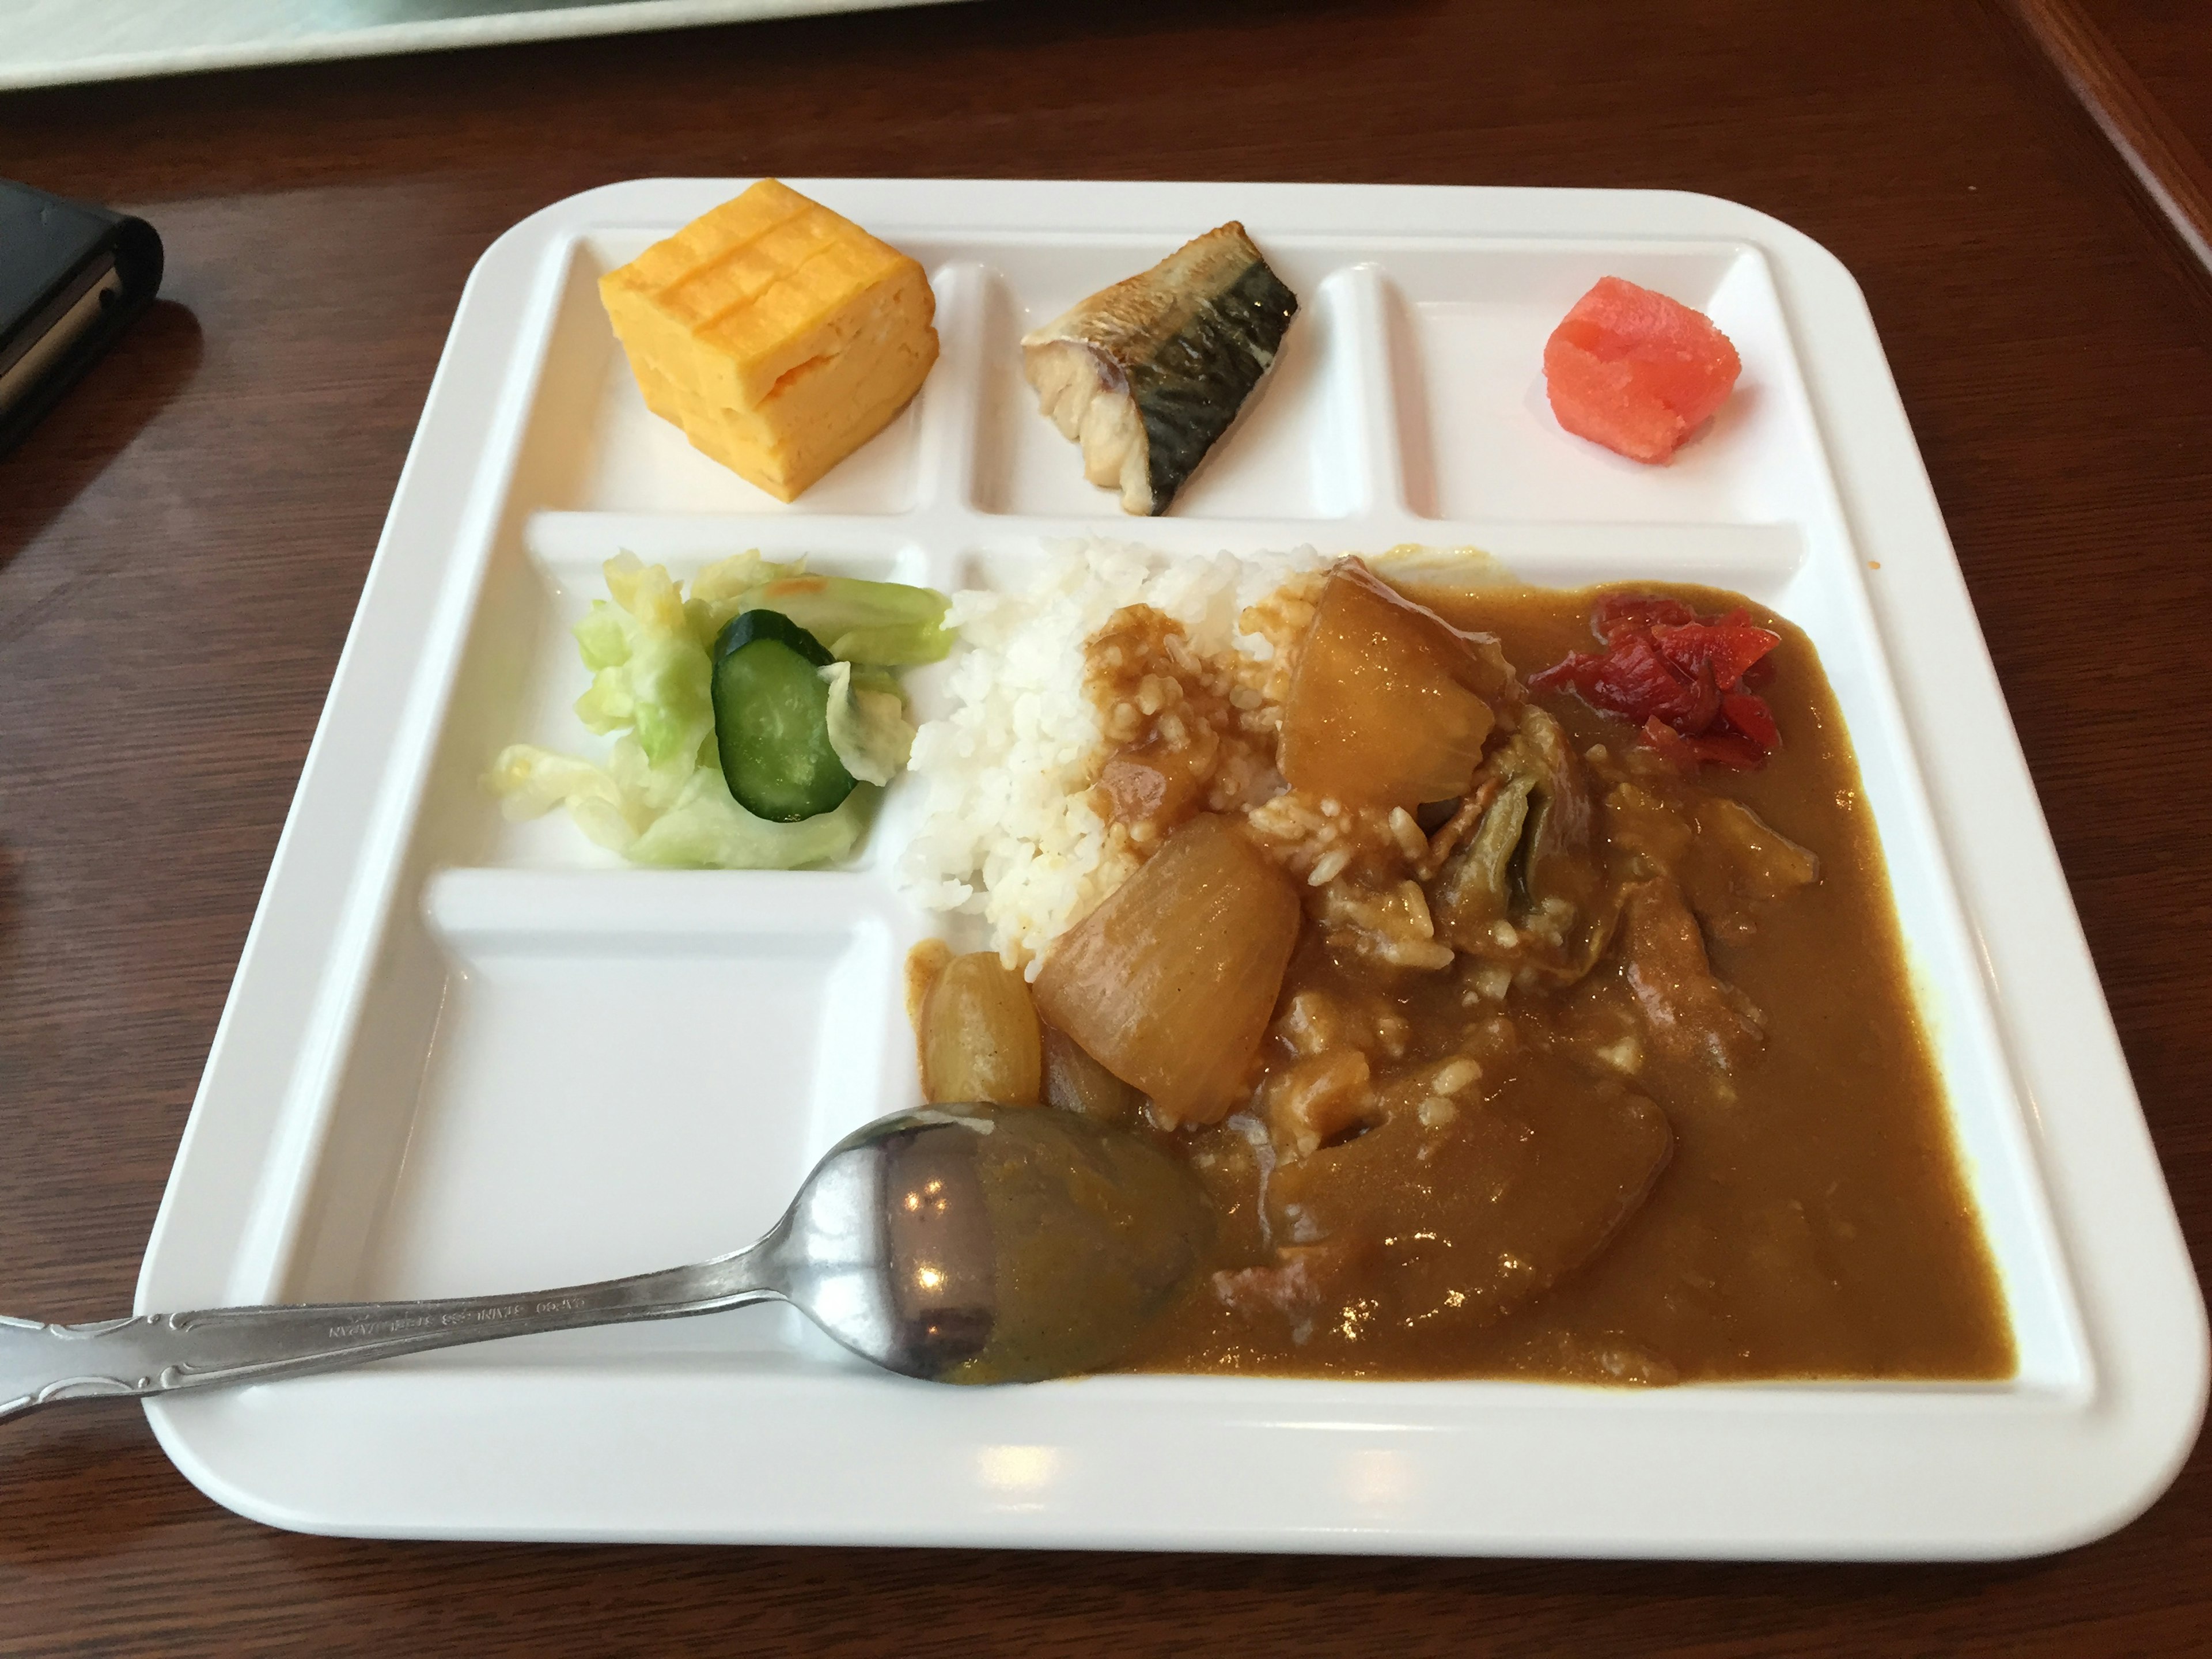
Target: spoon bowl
[[965, 1244]]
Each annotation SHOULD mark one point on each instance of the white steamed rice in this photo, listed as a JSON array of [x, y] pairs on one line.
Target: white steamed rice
[[1008, 832]]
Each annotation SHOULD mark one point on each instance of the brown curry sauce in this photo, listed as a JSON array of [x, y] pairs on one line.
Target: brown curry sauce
[[1720, 1149]]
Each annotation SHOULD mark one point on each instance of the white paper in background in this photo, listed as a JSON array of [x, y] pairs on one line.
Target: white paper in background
[[57, 42]]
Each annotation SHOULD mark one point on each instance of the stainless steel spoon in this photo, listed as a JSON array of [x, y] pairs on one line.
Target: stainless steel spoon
[[959, 1244]]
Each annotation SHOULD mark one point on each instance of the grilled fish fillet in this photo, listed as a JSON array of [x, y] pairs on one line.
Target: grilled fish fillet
[[1147, 374]]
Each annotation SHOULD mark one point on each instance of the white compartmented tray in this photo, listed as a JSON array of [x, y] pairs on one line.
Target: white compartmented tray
[[462, 1056]]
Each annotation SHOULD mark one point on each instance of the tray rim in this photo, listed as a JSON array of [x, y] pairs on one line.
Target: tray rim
[[2149, 1390]]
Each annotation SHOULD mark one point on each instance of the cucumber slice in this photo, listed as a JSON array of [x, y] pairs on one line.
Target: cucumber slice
[[772, 720]]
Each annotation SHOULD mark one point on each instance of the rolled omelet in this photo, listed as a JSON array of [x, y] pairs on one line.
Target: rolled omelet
[[780, 336]]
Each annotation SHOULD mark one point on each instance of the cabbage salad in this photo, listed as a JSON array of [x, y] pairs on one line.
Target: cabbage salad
[[755, 720]]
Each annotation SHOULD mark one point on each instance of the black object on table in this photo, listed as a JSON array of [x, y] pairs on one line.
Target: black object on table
[[72, 277]]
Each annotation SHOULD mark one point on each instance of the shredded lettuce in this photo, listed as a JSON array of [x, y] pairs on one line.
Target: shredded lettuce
[[868, 726], [531, 781], [649, 670], [659, 797], [707, 830], [876, 624], [718, 592], [703, 828]]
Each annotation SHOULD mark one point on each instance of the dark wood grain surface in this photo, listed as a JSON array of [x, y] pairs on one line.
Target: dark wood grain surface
[[182, 543], [2170, 170], [2167, 45]]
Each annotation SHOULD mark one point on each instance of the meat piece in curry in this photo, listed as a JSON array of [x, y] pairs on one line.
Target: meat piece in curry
[[1549, 1025]]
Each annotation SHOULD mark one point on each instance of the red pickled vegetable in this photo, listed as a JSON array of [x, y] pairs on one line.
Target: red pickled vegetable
[[1614, 612], [1750, 715], [1727, 648], [1687, 681]]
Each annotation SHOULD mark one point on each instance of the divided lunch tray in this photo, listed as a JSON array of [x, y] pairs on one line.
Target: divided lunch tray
[[464, 1056]]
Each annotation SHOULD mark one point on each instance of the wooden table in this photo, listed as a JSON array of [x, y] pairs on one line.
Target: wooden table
[[182, 543]]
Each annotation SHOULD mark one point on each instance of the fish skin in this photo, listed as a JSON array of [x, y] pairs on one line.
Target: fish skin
[[1188, 341]]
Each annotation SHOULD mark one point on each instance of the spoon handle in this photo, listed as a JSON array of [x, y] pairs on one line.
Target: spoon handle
[[161, 1353]]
